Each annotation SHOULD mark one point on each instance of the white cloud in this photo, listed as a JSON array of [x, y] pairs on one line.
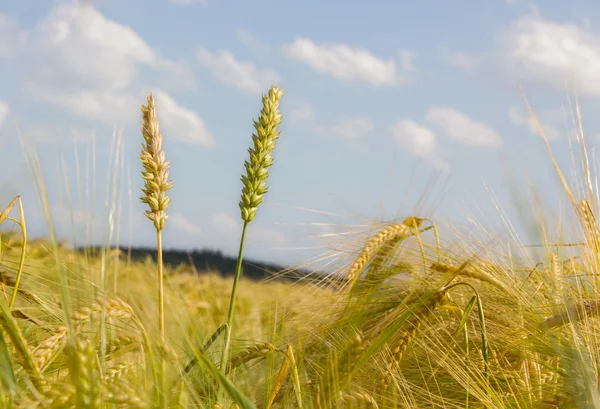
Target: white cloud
[[179, 222], [180, 123], [80, 45], [98, 105], [348, 128], [4, 109], [548, 53], [302, 113], [90, 65], [243, 75], [517, 117], [252, 42], [457, 126], [349, 64], [419, 141]]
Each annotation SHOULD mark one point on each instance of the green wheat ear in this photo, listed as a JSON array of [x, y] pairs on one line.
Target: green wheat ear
[[255, 184], [155, 173], [257, 167]]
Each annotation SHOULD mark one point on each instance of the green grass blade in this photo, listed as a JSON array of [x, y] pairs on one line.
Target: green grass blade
[[7, 374]]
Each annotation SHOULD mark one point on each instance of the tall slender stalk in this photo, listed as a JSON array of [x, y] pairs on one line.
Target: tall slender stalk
[[21, 223], [254, 185], [156, 183]]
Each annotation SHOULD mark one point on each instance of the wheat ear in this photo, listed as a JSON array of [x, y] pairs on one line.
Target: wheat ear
[[156, 184], [254, 183], [84, 374]]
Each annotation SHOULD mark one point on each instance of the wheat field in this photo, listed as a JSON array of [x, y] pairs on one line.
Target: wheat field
[[418, 318]]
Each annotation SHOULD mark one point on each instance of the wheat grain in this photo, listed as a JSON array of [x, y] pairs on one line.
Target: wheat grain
[[256, 351], [45, 352], [357, 400], [589, 224]]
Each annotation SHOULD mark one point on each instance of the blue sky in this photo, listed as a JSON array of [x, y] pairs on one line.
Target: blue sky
[[380, 99]]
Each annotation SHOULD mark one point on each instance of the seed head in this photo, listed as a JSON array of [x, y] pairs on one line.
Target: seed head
[[155, 173], [257, 167]]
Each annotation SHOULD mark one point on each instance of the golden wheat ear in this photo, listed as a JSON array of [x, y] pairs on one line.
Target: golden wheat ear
[[156, 168]]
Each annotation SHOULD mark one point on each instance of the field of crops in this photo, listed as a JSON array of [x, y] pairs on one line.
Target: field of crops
[[419, 318]]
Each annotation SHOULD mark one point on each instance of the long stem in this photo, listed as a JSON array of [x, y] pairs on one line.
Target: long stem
[[238, 273], [161, 305], [21, 223], [161, 319]]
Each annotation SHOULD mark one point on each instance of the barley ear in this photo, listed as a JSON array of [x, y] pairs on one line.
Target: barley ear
[[257, 166], [156, 168]]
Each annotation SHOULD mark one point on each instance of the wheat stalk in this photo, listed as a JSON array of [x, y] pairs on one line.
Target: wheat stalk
[[156, 184], [254, 183]]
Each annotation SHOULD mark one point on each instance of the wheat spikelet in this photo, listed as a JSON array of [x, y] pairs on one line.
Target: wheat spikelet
[[589, 223], [117, 371], [257, 167], [390, 234], [121, 344], [121, 394], [115, 309], [256, 351], [49, 348], [155, 174], [60, 396], [84, 374], [357, 400]]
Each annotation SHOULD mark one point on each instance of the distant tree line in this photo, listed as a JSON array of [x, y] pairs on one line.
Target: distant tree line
[[211, 260]]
